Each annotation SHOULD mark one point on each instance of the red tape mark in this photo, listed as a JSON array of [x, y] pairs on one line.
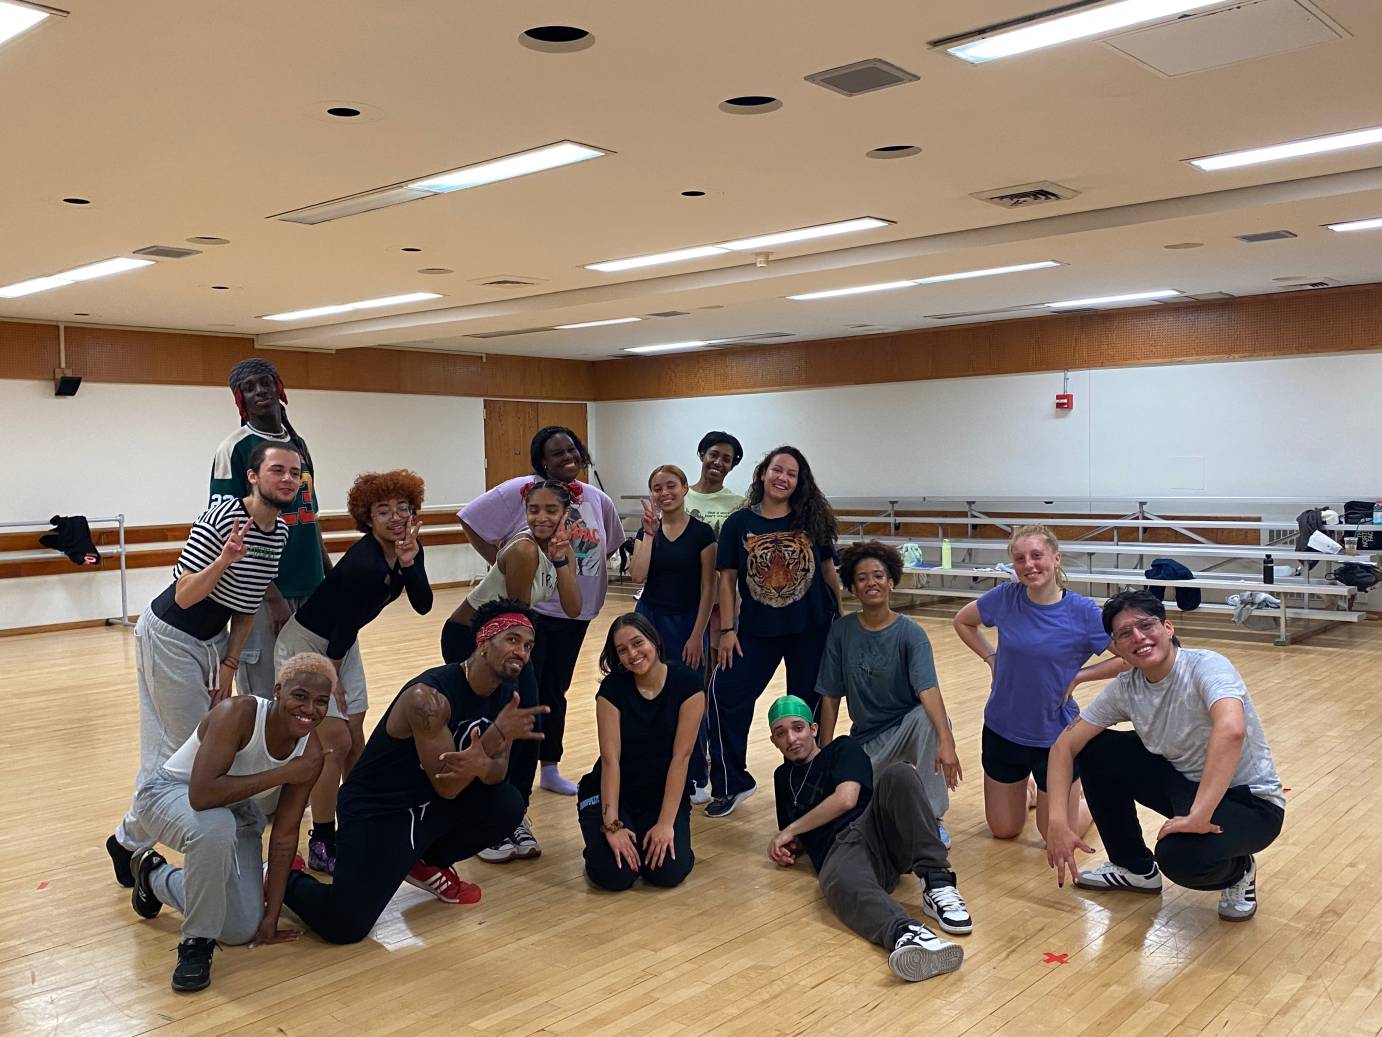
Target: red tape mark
[[1054, 959], [1285, 790], [42, 886]]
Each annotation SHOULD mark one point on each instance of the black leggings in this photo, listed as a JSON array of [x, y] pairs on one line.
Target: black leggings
[[1119, 772], [600, 864], [374, 854], [555, 652]]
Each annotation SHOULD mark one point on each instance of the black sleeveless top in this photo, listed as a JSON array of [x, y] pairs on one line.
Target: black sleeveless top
[[388, 775]]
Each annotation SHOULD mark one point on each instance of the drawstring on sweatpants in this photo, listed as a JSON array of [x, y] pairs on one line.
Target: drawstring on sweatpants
[[412, 819], [213, 659]]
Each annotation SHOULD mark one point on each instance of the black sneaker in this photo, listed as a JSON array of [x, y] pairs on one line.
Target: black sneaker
[[194, 965], [142, 898], [723, 806], [120, 861]]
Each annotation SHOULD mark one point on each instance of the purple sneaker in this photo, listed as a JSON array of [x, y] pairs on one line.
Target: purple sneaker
[[318, 859]]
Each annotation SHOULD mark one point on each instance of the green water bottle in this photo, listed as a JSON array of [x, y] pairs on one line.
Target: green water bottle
[[945, 554]]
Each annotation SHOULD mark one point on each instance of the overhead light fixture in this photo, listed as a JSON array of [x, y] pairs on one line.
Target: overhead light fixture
[[753, 244], [1160, 293], [1291, 149], [16, 17], [552, 156], [965, 275], [667, 347], [1343, 228], [596, 323], [365, 304], [89, 272], [1006, 40]]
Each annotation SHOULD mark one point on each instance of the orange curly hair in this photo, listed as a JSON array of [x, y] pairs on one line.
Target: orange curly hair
[[372, 487]]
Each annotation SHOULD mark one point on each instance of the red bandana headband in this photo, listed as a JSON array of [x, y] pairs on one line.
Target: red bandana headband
[[573, 489], [500, 623]]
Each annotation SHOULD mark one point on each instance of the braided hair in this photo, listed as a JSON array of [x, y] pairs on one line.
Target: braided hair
[[251, 367]]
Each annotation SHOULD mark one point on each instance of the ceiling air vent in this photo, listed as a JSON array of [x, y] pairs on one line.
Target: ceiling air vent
[[1206, 297], [1319, 282], [506, 334], [1265, 235], [1023, 195], [772, 334], [1003, 312], [668, 313], [862, 77], [507, 281], [166, 252]]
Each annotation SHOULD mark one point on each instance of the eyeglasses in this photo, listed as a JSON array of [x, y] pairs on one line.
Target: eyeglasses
[[1142, 626], [384, 511]]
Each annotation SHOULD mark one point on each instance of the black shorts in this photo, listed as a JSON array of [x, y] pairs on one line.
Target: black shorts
[[1009, 762]]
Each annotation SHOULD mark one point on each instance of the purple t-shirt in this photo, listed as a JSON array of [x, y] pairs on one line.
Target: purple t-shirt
[[1040, 649], [595, 530]]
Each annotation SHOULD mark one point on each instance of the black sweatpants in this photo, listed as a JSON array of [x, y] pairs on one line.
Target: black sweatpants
[[458, 645], [554, 658], [600, 863], [897, 833], [374, 855], [1119, 772]]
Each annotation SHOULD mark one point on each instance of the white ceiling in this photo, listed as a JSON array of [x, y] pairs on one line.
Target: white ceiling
[[184, 119]]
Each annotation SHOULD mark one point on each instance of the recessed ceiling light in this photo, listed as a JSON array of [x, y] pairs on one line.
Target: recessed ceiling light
[[410, 248], [750, 104], [436, 270], [343, 112], [1185, 244], [220, 287], [597, 323], [551, 156], [1160, 293], [894, 151], [81, 315], [676, 256], [16, 18], [203, 240], [1002, 41], [667, 347], [993, 271], [364, 304], [76, 201], [693, 194], [1291, 149], [856, 290], [1343, 228], [556, 39], [89, 272], [741, 245]]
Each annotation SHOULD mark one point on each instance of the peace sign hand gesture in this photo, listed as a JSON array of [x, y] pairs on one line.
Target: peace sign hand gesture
[[234, 548], [560, 542], [407, 548], [649, 517]]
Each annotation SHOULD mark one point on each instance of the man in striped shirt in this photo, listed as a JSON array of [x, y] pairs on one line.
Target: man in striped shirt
[[184, 657]]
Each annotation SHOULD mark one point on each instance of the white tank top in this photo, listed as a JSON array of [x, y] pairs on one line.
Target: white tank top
[[254, 758], [495, 586]]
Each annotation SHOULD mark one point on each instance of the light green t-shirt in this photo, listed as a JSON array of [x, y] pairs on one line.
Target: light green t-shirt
[[713, 508]]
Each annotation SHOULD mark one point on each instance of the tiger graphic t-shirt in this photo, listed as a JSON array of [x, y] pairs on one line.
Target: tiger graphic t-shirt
[[782, 588]]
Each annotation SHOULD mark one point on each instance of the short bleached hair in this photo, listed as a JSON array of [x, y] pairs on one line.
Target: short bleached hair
[[305, 664]]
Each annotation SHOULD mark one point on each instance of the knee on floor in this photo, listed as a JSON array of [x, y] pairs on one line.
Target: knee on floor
[[614, 881], [672, 873]]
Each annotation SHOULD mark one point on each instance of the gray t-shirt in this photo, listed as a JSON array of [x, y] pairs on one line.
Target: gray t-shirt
[[1172, 717], [878, 671]]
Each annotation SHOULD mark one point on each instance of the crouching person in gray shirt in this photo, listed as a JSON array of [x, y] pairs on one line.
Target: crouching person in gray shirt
[[1196, 755]]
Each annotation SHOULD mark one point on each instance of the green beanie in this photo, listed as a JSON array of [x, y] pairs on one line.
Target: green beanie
[[789, 706]]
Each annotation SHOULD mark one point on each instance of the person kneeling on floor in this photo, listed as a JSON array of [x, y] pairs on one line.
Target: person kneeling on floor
[[208, 802], [1196, 755], [862, 837]]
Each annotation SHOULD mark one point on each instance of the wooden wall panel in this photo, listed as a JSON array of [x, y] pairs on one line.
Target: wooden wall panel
[[28, 350]]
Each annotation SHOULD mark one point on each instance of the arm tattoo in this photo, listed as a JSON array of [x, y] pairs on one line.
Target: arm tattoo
[[1071, 726], [426, 711]]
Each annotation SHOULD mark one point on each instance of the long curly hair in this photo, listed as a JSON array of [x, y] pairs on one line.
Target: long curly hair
[[372, 487], [810, 510]]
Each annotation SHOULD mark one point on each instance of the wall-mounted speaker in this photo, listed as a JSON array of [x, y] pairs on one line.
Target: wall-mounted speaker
[[65, 383]]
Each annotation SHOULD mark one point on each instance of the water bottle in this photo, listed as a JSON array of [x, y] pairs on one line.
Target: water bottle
[[945, 553], [1268, 570], [1377, 513]]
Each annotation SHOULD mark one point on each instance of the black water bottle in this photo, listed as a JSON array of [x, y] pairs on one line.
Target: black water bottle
[[1268, 570]]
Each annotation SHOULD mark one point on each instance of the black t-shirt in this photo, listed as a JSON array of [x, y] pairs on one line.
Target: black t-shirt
[[782, 589], [647, 731], [357, 589], [388, 776], [674, 571], [801, 787]]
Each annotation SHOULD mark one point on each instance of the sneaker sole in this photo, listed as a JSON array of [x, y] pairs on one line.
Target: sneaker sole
[[1100, 887], [737, 800], [185, 989], [915, 964], [953, 930], [428, 889], [151, 907], [531, 854], [1238, 918]]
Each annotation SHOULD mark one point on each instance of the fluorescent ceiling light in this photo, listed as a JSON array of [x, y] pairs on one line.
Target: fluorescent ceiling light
[[535, 161], [364, 304], [1078, 25], [1161, 293], [633, 263], [856, 290], [1343, 228], [596, 323], [30, 287], [993, 271], [823, 230], [16, 18], [1291, 149], [667, 347], [82, 273]]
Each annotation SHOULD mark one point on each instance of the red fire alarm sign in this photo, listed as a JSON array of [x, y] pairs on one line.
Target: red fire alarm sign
[[1065, 401]]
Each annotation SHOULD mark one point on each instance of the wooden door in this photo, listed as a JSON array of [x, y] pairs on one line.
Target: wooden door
[[509, 428]]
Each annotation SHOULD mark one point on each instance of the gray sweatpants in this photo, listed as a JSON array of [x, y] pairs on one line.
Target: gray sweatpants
[[295, 638], [895, 834], [257, 670], [911, 740], [175, 673], [219, 890]]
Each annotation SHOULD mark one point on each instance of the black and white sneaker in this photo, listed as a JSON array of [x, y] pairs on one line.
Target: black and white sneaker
[[143, 864], [1238, 903], [723, 806], [193, 971], [947, 907], [1110, 876], [120, 861], [920, 954]]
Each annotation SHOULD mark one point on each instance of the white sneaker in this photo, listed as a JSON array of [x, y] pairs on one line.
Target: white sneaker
[[1110, 876], [700, 794], [1238, 903], [525, 843], [920, 954], [947, 907], [502, 852]]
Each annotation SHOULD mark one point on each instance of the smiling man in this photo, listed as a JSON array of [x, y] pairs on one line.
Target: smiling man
[[1196, 755], [707, 499]]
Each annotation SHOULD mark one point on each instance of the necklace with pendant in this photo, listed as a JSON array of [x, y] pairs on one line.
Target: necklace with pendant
[[797, 790]]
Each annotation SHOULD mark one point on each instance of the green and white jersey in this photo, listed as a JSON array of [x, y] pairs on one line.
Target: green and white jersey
[[300, 569]]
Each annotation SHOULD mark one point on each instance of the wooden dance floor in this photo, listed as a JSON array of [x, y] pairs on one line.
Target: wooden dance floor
[[743, 947]]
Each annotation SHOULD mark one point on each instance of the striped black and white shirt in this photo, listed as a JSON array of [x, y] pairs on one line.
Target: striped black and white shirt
[[241, 587]]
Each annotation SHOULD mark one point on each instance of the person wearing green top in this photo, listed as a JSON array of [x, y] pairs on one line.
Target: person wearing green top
[[707, 499], [260, 398]]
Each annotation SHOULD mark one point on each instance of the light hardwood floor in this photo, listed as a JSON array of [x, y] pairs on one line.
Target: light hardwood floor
[[742, 947]]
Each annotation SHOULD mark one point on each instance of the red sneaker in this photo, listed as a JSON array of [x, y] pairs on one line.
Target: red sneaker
[[443, 883]]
